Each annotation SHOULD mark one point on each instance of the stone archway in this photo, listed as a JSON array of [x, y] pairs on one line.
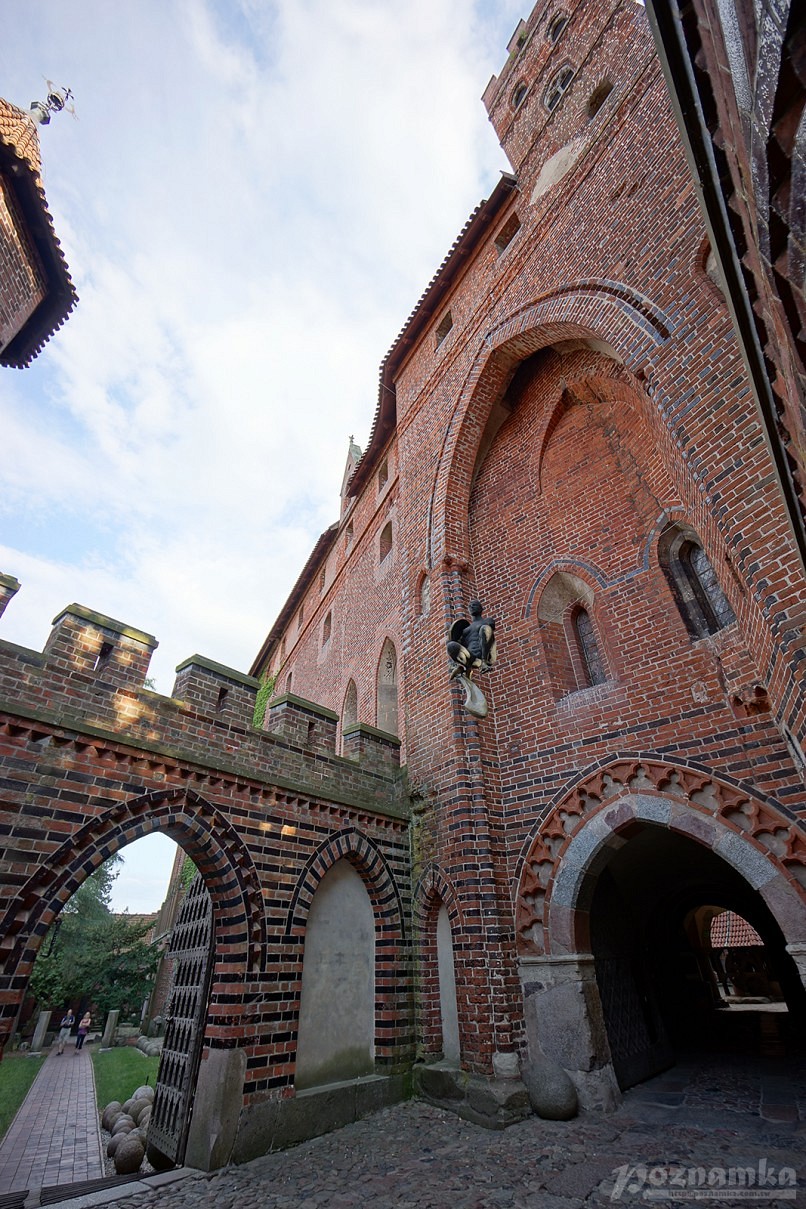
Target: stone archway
[[748, 846]]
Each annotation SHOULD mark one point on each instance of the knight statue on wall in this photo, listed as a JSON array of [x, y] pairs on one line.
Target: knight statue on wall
[[471, 648]]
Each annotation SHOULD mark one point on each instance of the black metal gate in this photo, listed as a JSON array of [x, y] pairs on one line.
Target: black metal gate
[[639, 1044], [191, 953]]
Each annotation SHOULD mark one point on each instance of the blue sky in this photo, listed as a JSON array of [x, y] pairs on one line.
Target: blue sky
[[251, 201]]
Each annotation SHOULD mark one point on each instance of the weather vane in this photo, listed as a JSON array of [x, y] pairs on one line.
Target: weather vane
[[57, 100]]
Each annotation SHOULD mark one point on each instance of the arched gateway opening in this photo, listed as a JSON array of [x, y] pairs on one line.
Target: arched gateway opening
[[617, 895], [218, 937], [658, 978]]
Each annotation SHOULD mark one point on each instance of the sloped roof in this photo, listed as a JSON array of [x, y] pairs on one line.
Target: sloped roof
[[20, 165], [730, 931]]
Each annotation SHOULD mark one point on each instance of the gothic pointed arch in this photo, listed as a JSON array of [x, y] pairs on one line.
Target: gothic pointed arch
[[182, 814], [629, 324], [351, 845], [386, 710]]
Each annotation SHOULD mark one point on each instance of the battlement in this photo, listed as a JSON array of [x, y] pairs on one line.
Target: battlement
[[91, 677]]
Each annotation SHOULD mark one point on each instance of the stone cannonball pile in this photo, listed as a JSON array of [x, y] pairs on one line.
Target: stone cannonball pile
[[128, 1125]]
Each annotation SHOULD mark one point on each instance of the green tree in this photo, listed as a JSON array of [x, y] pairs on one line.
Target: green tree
[[91, 956]]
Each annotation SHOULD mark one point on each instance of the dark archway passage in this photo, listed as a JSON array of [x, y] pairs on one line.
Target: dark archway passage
[[659, 991]]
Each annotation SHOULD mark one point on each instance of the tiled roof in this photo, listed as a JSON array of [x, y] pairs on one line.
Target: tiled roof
[[730, 931], [20, 164], [18, 131]]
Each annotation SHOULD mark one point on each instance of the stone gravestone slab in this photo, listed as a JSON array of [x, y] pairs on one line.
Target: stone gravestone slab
[[109, 1029], [39, 1034]]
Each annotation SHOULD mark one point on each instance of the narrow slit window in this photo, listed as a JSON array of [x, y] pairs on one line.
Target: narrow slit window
[[445, 325], [383, 474], [507, 233], [104, 655], [327, 627], [588, 648], [385, 548]]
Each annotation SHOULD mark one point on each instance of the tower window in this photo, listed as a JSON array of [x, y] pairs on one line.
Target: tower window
[[519, 94], [326, 629], [556, 27], [598, 97], [558, 88]]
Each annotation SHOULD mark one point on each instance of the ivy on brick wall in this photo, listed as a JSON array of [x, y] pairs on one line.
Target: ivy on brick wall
[[264, 695]]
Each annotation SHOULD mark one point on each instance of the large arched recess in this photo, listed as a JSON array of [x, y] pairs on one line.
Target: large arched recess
[[197, 826], [749, 848], [610, 313]]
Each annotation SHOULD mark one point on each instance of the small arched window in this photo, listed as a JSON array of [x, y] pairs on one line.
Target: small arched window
[[327, 626], [322, 578], [385, 547], [288, 682], [348, 535], [692, 579], [556, 27], [383, 474], [588, 663]]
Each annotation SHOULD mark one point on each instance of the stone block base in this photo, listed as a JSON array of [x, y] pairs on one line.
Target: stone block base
[[493, 1103], [276, 1124]]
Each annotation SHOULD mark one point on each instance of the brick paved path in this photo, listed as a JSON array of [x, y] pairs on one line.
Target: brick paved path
[[54, 1138]]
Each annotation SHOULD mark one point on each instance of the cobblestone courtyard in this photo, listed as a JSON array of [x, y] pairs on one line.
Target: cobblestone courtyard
[[710, 1115]]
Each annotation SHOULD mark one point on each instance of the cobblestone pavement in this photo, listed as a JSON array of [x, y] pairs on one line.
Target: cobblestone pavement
[[700, 1116], [54, 1138]]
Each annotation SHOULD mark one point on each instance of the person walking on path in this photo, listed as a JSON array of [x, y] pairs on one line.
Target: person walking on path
[[83, 1028], [68, 1020]]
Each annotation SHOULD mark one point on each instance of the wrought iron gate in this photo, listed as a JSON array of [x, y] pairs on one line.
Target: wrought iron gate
[[639, 1044], [191, 953]]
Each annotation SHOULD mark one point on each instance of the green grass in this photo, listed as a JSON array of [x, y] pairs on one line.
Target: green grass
[[17, 1073], [120, 1071]]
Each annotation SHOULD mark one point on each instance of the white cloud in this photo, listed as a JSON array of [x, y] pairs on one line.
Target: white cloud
[[251, 202]]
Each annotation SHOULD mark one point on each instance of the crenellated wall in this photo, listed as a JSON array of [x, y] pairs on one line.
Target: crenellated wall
[[90, 760]]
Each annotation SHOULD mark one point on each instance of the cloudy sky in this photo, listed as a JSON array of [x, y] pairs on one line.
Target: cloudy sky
[[251, 200]]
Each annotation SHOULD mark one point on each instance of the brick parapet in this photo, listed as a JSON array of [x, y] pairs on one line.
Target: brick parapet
[[61, 687], [302, 722], [9, 586]]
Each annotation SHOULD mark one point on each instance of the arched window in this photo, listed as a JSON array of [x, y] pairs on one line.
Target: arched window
[[692, 579], [571, 646], [385, 548], [383, 474], [556, 27], [349, 711], [387, 689], [288, 682], [327, 626], [590, 669], [558, 87]]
